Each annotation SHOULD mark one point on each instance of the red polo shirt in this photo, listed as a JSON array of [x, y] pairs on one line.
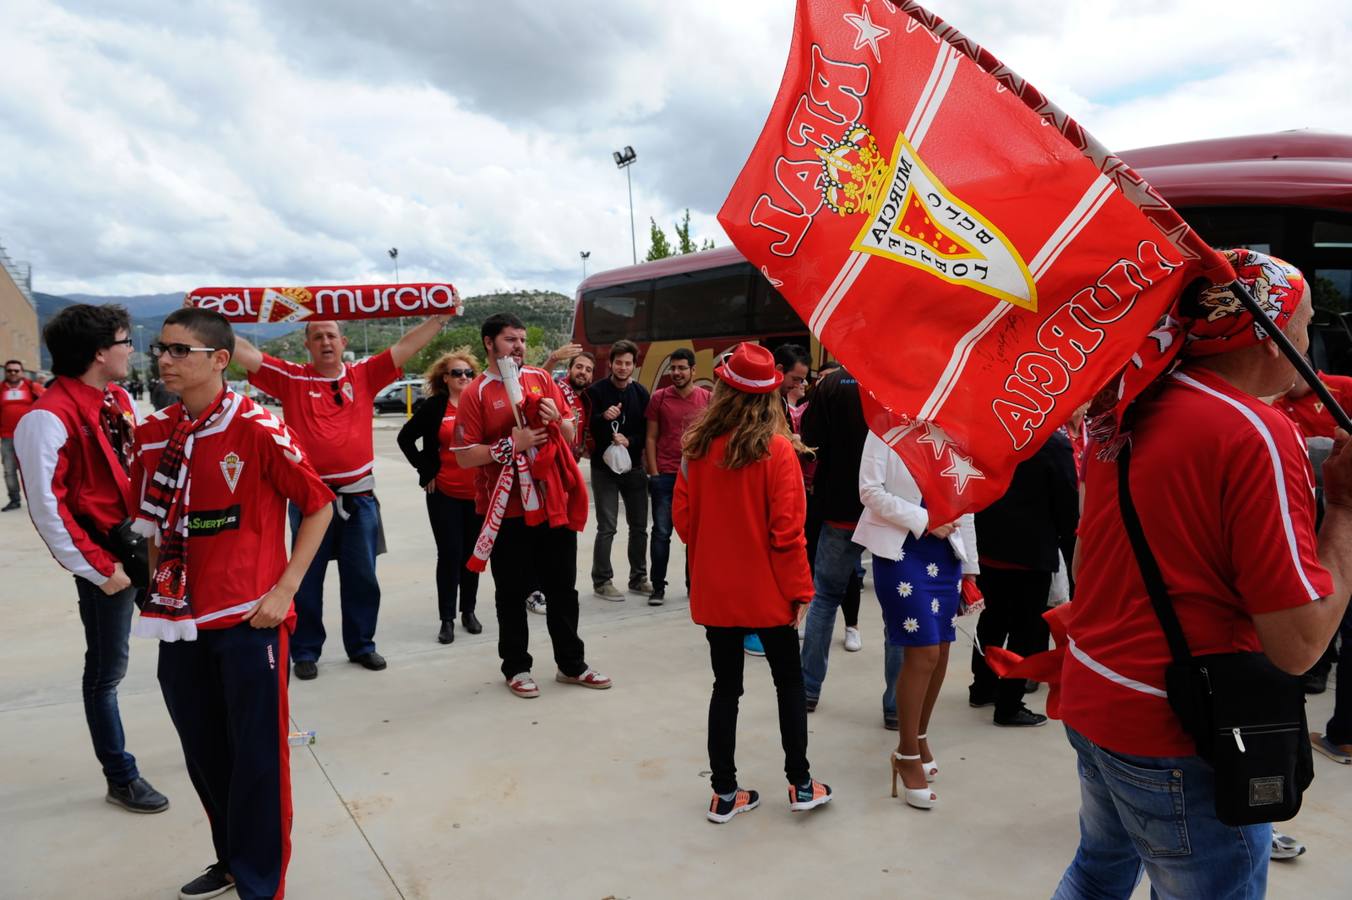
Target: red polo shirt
[[1308, 412], [244, 469], [673, 415], [331, 417], [1225, 493], [15, 400], [486, 417]]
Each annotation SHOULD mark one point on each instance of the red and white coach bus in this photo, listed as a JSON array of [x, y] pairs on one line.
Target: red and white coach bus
[[1289, 194]]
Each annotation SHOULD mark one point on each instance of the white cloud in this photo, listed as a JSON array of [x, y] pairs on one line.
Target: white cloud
[[146, 147]]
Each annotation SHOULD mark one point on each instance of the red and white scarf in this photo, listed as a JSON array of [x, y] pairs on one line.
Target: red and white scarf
[[163, 518]]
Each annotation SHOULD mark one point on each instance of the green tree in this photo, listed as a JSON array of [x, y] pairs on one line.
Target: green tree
[[659, 247]]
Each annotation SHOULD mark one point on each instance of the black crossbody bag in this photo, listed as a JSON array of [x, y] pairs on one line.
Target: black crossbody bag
[[1246, 716]]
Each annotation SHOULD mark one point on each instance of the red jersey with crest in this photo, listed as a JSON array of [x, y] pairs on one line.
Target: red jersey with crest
[[331, 417], [486, 416], [1309, 413], [244, 469], [1225, 493], [15, 400]]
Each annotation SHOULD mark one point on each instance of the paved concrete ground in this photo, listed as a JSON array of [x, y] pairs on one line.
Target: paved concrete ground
[[429, 780]]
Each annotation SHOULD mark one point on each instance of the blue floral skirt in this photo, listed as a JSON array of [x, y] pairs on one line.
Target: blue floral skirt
[[919, 592]]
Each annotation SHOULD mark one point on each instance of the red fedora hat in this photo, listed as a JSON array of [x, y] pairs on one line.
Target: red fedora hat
[[751, 368]]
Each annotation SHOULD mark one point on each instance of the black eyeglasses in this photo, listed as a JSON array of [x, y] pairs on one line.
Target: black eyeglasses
[[460, 373], [177, 351], [337, 394], [128, 341]]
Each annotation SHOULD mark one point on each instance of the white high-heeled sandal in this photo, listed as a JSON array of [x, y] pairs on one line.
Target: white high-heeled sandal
[[920, 798], [929, 765]]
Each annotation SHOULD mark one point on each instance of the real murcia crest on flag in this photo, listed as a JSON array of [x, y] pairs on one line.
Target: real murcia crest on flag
[[915, 220], [231, 467], [971, 255], [285, 305]]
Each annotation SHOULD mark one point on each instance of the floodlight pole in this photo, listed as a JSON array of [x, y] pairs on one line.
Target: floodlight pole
[[624, 159]]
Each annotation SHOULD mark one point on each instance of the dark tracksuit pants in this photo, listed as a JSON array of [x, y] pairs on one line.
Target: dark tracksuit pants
[[526, 558], [728, 660], [226, 694], [1015, 602]]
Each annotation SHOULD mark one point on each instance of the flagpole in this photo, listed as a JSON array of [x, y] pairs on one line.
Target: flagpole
[[1294, 356]]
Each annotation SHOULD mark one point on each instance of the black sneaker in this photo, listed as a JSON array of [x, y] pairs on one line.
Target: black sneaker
[[370, 660], [810, 704], [722, 811], [1024, 718], [306, 669], [977, 700], [211, 883], [1315, 682], [657, 597], [137, 796], [11, 506], [471, 623], [447, 632]]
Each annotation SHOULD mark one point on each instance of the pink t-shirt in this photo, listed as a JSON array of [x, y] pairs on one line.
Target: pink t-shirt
[[673, 415]]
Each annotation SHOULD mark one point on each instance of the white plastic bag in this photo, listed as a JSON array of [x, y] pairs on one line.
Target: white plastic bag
[[1060, 592], [617, 457]]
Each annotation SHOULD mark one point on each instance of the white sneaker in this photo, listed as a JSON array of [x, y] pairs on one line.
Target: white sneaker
[[852, 641], [536, 603]]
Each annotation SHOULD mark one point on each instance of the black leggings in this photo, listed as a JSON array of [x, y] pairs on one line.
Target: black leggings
[[455, 528], [727, 658]]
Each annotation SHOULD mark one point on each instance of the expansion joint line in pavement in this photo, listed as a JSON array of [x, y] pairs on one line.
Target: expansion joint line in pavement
[[347, 809]]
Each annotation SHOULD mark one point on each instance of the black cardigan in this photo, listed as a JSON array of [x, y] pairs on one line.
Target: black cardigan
[[1038, 514], [425, 423]]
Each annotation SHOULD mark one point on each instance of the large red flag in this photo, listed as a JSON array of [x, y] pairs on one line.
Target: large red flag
[[978, 261]]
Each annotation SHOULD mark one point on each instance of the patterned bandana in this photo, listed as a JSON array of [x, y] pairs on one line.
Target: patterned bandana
[[1207, 323], [116, 428], [164, 507]]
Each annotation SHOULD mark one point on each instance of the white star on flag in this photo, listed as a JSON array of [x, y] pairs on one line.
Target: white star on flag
[[961, 470], [868, 32], [935, 437], [932, 570], [904, 589], [911, 625]]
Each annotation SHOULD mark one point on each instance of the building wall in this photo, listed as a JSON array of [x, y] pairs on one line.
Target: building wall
[[18, 324]]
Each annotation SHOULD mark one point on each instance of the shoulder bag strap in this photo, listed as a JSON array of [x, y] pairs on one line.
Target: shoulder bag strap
[[1145, 560]]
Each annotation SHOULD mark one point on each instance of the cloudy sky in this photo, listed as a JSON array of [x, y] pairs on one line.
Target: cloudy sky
[[149, 146]]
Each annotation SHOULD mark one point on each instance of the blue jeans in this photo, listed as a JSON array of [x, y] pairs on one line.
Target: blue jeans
[[837, 559], [1158, 814], [352, 542], [661, 488], [107, 625]]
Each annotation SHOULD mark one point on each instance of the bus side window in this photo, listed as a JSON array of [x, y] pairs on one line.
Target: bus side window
[[706, 303], [622, 311]]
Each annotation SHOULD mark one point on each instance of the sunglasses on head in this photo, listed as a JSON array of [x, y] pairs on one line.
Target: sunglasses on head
[[460, 373], [177, 351]]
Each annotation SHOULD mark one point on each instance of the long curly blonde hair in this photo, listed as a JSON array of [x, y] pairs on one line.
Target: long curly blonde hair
[[435, 376], [752, 419]]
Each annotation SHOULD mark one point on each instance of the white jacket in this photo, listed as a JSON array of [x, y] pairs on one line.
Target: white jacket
[[892, 509]]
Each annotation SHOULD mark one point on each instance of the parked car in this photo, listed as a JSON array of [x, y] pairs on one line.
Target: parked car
[[393, 398]]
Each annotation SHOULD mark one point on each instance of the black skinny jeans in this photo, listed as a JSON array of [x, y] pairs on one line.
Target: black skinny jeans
[[1015, 602], [727, 658], [455, 528]]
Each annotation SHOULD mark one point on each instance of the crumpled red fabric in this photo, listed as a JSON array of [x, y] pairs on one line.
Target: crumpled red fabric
[[1044, 667], [557, 477]]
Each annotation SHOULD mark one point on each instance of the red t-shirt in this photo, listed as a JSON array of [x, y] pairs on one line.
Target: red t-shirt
[[1308, 412], [486, 417], [1225, 493], [244, 469], [452, 480], [15, 400], [673, 415], [331, 417]]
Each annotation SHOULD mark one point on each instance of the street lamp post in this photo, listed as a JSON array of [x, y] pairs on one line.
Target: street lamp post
[[584, 254], [624, 159], [394, 255]]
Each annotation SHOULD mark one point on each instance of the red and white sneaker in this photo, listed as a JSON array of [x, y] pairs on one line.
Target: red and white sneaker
[[809, 796], [588, 679], [523, 685]]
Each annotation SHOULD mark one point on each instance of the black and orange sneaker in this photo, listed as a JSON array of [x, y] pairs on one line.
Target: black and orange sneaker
[[808, 796], [721, 810]]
